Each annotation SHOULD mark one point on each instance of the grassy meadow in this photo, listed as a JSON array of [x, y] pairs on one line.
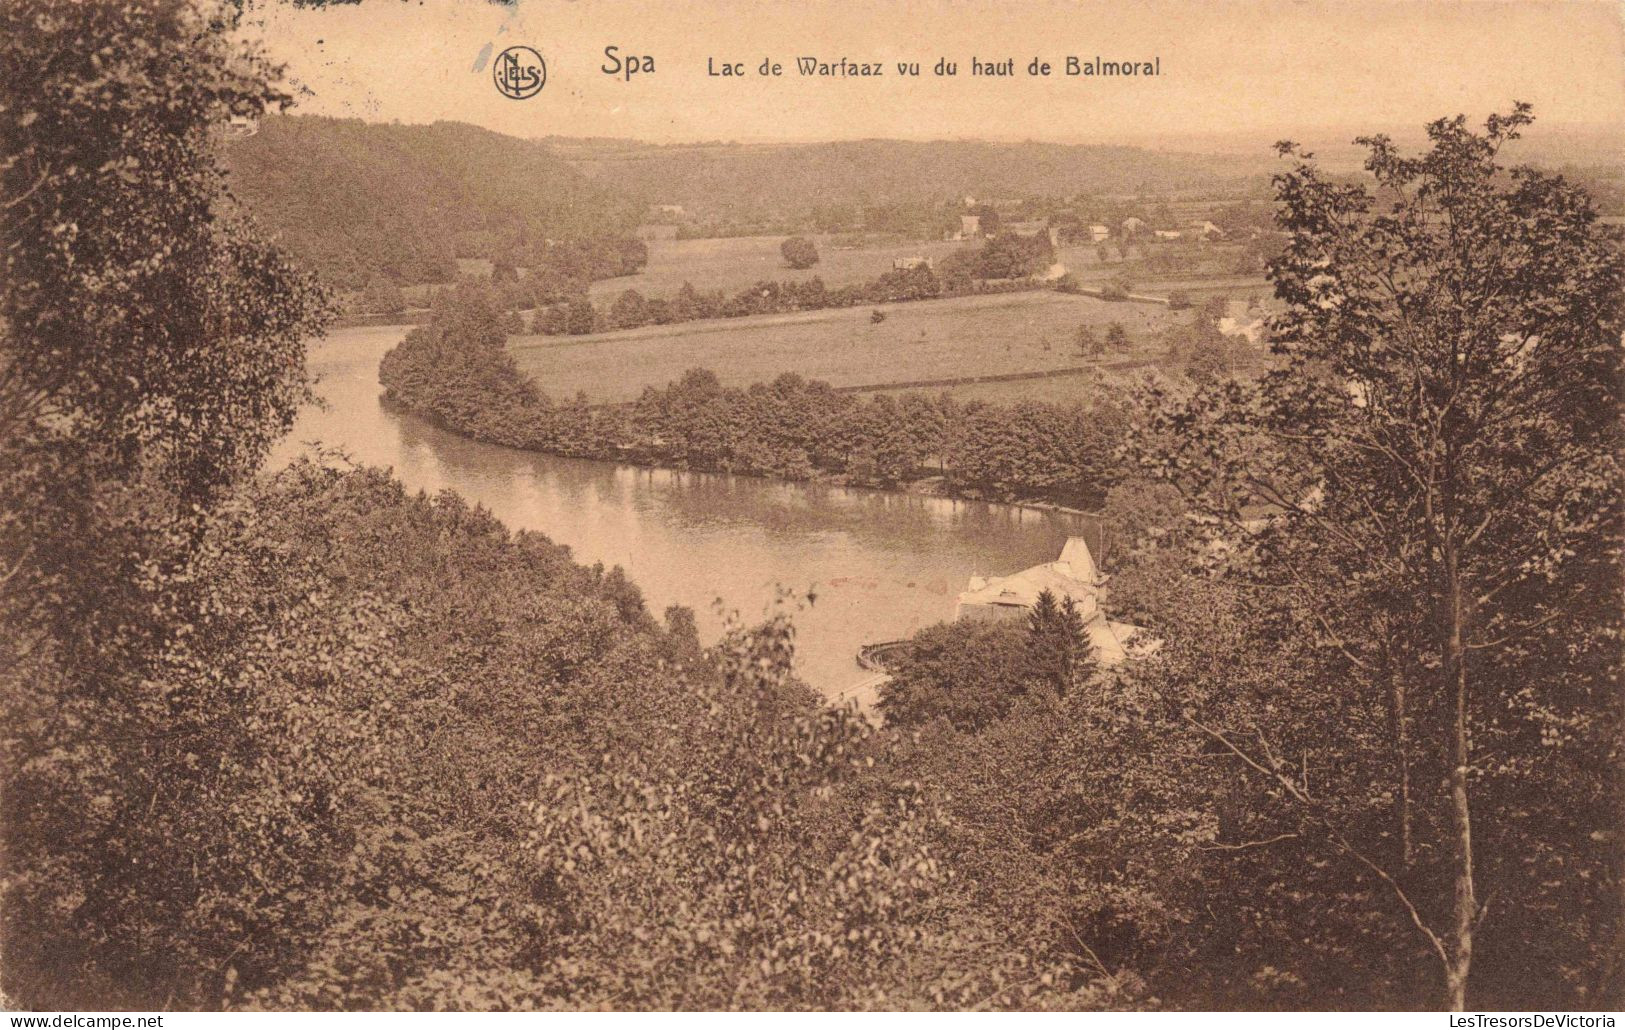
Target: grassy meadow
[[923, 340]]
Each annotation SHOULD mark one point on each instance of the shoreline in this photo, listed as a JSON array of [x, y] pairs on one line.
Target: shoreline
[[921, 487]]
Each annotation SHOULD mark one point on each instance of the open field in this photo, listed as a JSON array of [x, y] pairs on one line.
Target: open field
[[963, 336], [733, 264]]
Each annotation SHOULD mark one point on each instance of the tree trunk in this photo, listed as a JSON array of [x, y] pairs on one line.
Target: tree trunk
[[1466, 902], [1402, 756]]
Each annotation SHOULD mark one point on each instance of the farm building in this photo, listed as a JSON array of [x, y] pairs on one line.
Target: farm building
[[970, 226], [239, 126], [1099, 234], [1073, 575]]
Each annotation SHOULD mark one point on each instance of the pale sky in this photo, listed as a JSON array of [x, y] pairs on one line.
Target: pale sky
[[1244, 67]]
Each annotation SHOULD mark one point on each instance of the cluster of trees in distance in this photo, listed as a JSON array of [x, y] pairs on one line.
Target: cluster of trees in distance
[[1010, 262], [456, 371]]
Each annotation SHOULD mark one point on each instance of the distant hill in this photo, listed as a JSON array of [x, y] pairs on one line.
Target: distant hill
[[353, 199], [744, 181]]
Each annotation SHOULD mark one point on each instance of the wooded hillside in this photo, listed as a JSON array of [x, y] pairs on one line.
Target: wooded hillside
[[352, 200]]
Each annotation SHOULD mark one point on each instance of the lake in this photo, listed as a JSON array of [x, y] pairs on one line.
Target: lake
[[881, 565]]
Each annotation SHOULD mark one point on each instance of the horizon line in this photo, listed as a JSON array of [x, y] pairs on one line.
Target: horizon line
[[1179, 141]]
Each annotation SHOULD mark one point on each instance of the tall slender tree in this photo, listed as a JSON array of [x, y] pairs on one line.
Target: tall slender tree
[[1437, 455]]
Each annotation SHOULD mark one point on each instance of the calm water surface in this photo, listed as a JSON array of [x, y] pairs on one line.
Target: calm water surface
[[882, 565]]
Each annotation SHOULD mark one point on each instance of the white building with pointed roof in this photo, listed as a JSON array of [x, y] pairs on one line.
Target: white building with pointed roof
[[1073, 575]]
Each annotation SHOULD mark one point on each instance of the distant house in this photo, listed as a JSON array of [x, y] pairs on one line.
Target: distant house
[[1099, 234], [970, 226], [1073, 575], [905, 264], [240, 126], [1167, 234]]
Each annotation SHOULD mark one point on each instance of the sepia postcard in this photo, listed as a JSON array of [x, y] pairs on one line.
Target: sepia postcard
[[747, 505]]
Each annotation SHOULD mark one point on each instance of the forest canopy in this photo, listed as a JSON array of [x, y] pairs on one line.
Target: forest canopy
[[353, 199]]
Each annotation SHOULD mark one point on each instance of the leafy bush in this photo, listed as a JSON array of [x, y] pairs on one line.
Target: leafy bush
[[799, 252]]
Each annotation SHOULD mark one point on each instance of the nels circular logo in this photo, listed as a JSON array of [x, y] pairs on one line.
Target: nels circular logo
[[519, 72]]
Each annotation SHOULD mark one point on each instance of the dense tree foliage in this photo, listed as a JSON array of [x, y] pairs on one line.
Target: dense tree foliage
[[153, 350], [153, 344], [1436, 468], [381, 297], [1204, 352], [314, 753], [967, 674], [974, 674], [1008, 255]]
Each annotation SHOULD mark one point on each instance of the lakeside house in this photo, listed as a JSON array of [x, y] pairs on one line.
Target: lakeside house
[[1074, 576]]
